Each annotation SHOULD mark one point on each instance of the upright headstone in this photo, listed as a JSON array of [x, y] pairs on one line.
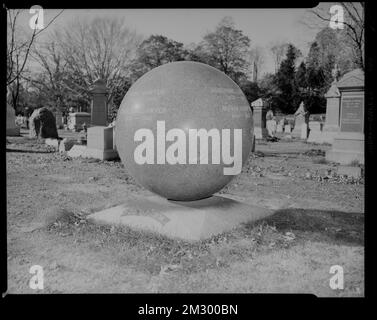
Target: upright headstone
[[332, 122], [348, 144], [59, 119], [99, 103], [280, 126], [287, 128], [304, 131], [301, 117], [100, 138], [42, 124], [315, 132], [259, 117], [76, 120]]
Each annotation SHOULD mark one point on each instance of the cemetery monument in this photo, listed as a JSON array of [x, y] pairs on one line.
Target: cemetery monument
[[184, 131], [301, 122], [42, 124], [332, 123], [259, 117], [348, 144], [100, 137]]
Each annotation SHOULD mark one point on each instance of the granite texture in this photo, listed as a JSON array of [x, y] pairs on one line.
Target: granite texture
[[184, 95]]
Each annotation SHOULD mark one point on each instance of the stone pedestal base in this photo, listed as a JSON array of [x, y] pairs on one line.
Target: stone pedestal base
[[188, 220], [99, 145], [315, 136], [296, 132], [13, 131], [329, 133], [85, 152], [347, 147], [260, 133], [304, 131]]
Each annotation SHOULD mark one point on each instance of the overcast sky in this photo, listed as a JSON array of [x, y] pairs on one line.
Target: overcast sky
[[263, 26]]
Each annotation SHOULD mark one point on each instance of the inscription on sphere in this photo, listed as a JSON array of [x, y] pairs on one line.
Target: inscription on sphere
[[185, 96]]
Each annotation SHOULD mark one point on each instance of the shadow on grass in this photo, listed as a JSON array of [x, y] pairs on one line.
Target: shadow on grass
[[26, 151], [320, 225]]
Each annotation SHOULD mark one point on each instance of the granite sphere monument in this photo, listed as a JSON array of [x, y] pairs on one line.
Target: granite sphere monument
[[184, 130]]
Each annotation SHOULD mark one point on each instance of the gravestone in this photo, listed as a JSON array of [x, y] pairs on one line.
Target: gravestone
[[348, 144], [100, 138], [259, 117], [332, 122], [59, 119], [304, 131], [99, 103], [164, 107], [287, 128], [76, 120], [301, 117], [280, 126], [42, 124], [12, 128], [315, 133]]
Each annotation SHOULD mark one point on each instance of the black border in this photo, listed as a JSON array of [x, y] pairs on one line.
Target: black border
[[279, 304]]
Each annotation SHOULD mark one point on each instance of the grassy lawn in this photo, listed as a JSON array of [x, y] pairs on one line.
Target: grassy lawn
[[318, 223]]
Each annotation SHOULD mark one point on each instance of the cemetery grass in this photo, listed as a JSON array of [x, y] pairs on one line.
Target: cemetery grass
[[318, 223]]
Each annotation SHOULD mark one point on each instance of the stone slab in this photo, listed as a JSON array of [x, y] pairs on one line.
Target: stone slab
[[52, 142], [349, 171], [86, 152], [329, 132], [66, 144], [100, 138], [188, 220], [347, 147]]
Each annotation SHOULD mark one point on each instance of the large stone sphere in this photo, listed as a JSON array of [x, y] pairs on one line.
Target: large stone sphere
[[179, 99]]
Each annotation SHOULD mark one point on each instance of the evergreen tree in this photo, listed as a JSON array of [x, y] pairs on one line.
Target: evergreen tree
[[288, 97], [316, 80]]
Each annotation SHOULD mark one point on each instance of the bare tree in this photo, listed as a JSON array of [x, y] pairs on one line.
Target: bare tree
[[257, 60], [227, 49], [353, 26], [278, 51], [51, 78], [97, 48], [18, 51]]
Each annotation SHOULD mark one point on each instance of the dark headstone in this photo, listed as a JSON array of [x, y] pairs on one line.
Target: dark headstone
[[42, 124]]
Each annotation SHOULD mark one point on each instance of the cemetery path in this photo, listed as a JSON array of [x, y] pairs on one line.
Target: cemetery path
[[318, 223]]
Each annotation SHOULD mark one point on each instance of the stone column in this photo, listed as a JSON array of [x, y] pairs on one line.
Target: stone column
[[259, 118], [332, 122], [99, 105]]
